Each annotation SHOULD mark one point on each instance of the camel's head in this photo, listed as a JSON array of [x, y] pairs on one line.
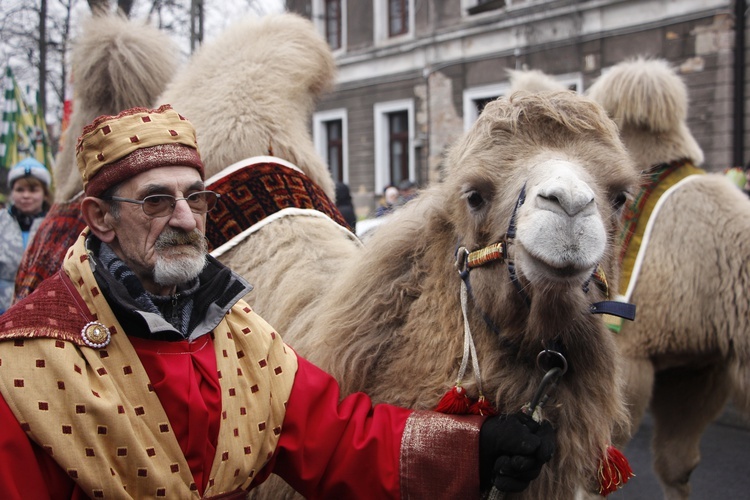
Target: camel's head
[[649, 103], [563, 153]]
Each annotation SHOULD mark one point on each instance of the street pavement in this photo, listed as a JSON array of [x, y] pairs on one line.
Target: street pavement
[[724, 471]]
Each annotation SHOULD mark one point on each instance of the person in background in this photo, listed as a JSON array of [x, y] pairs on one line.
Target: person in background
[[387, 202], [29, 182], [406, 191], [345, 205], [139, 366]]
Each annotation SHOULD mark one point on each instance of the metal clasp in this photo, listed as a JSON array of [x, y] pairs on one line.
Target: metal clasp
[[462, 255]]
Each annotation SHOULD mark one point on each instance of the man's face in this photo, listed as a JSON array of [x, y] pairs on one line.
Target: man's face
[[162, 251]]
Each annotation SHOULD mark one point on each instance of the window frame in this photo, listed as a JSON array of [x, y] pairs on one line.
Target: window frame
[[327, 23], [381, 112], [321, 142], [404, 18], [319, 20], [381, 24], [473, 94]]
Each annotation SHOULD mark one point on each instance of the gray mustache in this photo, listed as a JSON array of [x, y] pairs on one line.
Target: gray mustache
[[171, 237]]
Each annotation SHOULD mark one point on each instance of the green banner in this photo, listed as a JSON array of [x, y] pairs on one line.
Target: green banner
[[23, 132]]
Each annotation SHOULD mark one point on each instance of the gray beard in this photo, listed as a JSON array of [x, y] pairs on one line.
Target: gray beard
[[180, 270], [173, 272]]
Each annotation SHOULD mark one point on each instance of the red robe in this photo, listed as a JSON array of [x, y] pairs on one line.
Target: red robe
[[328, 448]]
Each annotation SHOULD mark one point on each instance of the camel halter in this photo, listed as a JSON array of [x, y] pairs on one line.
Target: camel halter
[[614, 469], [498, 252]]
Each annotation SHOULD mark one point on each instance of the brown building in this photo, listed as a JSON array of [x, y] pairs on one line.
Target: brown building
[[413, 74]]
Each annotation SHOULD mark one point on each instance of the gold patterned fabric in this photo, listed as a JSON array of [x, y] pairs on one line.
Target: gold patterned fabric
[[131, 142], [94, 411]]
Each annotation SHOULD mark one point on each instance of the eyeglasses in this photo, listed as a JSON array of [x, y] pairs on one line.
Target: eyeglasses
[[161, 205]]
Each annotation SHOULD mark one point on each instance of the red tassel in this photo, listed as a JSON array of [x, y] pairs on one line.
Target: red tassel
[[454, 402], [614, 471], [482, 407]]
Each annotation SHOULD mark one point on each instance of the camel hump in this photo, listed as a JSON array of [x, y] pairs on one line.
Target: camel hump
[[116, 64], [252, 91], [643, 92], [532, 80]]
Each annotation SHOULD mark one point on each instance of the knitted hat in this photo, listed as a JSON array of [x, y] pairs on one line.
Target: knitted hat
[[29, 167], [113, 149]]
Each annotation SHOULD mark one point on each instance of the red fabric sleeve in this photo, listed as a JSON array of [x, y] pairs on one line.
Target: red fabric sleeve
[[329, 449], [26, 471], [351, 449]]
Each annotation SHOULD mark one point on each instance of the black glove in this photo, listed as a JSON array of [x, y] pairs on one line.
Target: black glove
[[512, 450]]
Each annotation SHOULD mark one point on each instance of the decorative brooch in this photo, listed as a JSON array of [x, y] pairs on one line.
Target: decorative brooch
[[95, 334]]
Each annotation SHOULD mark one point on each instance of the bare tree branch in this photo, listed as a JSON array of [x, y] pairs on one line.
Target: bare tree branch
[[98, 7]]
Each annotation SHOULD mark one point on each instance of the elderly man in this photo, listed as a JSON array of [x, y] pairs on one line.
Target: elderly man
[[138, 371]]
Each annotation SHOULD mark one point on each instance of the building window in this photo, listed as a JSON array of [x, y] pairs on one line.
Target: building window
[[476, 98], [335, 148], [393, 21], [486, 6], [329, 17], [480, 103], [398, 17], [331, 138], [398, 146], [394, 137], [333, 23]]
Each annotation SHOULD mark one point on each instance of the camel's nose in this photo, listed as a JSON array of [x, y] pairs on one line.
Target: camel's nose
[[566, 192]]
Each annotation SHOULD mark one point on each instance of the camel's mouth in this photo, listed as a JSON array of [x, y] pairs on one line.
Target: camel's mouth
[[538, 268]]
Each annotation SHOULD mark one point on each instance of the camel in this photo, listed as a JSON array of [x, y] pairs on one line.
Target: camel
[[387, 318], [688, 352], [391, 324], [115, 65]]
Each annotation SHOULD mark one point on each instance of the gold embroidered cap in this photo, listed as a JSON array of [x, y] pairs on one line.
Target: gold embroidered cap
[[115, 148]]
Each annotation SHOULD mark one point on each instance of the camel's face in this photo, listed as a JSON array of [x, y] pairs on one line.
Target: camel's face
[[575, 176], [561, 232], [564, 224]]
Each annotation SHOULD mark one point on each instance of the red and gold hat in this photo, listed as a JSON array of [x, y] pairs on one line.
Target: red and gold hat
[[115, 148]]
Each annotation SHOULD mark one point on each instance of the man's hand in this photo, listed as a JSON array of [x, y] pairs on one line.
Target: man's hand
[[512, 450]]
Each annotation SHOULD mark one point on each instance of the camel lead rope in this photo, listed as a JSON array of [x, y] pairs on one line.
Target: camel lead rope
[[540, 398], [470, 350]]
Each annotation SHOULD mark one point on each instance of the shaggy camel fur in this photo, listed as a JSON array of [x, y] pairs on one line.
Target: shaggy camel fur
[[117, 65], [689, 350]]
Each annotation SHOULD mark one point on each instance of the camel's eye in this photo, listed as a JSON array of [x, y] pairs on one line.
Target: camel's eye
[[474, 199], [619, 200]]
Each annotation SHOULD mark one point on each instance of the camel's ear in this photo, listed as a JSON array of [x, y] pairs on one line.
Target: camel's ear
[[94, 211]]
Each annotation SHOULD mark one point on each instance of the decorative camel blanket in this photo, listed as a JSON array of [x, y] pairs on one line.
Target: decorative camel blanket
[[44, 255], [638, 218], [256, 188]]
